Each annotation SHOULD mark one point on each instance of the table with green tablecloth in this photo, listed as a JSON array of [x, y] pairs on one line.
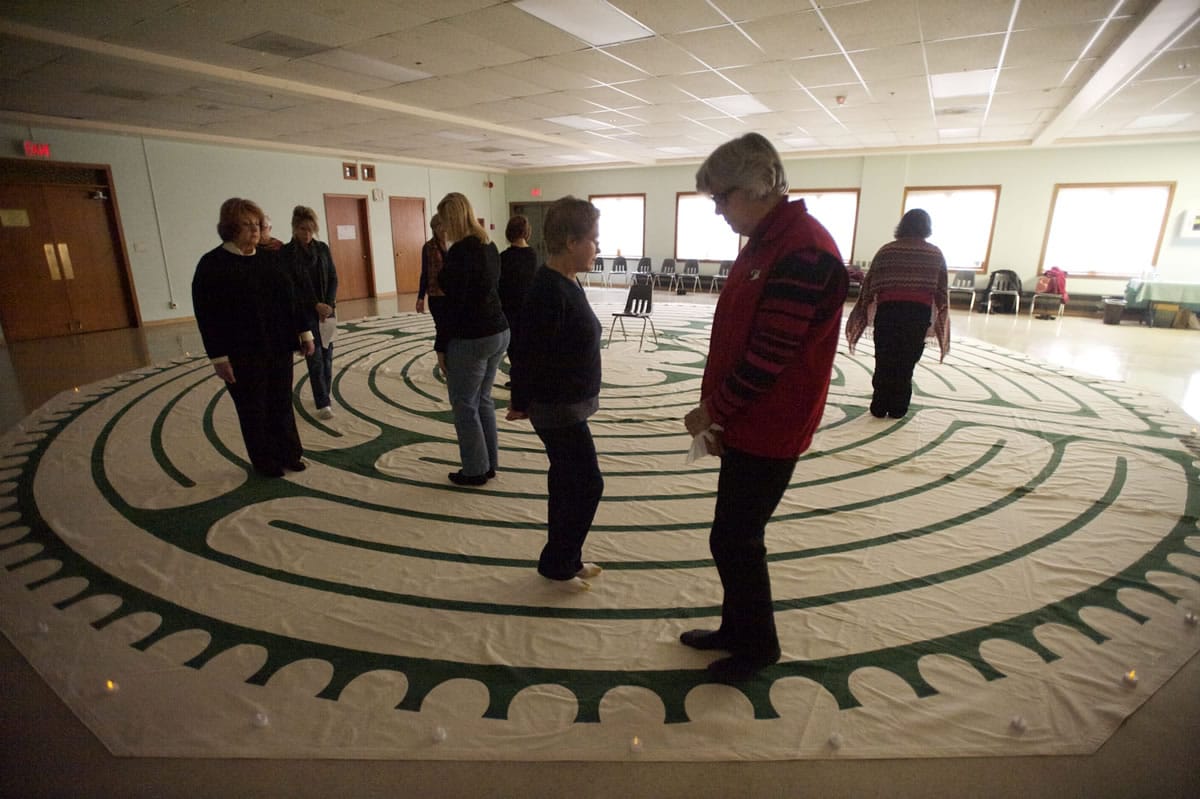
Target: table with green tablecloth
[[1146, 294]]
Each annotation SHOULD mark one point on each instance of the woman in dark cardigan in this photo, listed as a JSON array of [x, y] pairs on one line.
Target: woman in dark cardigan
[[556, 386], [517, 266], [310, 264], [249, 321]]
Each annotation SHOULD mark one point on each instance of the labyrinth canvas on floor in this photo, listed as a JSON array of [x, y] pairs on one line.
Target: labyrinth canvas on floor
[[1011, 569]]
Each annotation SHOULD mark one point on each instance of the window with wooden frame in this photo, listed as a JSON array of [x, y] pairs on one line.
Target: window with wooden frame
[[1106, 229], [964, 219], [349, 170], [622, 224], [837, 210], [700, 233], [367, 171]]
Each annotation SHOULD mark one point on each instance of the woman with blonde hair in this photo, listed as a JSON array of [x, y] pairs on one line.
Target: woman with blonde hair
[[475, 333]]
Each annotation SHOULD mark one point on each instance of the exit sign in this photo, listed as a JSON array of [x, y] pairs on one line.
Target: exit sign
[[37, 149]]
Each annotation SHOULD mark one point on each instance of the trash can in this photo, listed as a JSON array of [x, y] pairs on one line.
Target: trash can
[[1113, 308]]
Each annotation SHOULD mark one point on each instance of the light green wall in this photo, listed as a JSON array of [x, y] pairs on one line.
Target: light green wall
[[1026, 177], [178, 188]]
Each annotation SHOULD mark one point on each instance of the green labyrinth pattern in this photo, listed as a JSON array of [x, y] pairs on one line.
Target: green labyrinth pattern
[[951, 583]]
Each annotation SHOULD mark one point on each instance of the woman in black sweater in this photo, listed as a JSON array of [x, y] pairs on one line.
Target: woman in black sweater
[[517, 266], [556, 386], [476, 335], [250, 323]]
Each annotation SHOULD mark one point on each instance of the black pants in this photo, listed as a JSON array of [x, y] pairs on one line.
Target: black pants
[[748, 491], [900, 329], [262, 395], [575, 486]]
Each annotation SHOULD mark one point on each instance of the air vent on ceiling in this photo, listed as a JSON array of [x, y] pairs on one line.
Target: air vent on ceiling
[[960, 110], [488, 149], [281, 45]]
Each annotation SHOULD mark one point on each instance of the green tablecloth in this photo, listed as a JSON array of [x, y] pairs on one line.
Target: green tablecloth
[[1141, 293]]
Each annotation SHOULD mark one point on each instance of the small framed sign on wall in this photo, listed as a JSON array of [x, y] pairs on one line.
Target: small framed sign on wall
[[1190, 228]]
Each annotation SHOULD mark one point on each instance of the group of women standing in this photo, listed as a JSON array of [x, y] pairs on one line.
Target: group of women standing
[[256, 303]]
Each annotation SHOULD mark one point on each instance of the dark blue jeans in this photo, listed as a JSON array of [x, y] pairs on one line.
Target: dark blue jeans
[[320, 373], [748, 491], [575, 486]]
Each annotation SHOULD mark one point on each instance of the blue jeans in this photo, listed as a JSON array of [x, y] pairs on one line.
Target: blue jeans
[[320, 373], [575, 486], [470, 371]]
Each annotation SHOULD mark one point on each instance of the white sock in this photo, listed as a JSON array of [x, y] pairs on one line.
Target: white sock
[[575, 585], [589, 570]]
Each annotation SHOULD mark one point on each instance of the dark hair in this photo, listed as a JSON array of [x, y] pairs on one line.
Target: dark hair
[[302, 214], [567, 218], [233, 211], [915, 224], [517, 228]]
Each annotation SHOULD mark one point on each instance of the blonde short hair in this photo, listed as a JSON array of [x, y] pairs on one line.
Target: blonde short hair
[[748, 162]]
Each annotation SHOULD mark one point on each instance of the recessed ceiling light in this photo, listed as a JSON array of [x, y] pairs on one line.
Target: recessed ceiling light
[[597, 22], [801, 142], [738, 105], [962, 84], [1158, 120], [579, 123], [957, 133]]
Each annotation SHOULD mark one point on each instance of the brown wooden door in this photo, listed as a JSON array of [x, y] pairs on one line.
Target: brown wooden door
[[61, 271], [408, 237], [33, 294], [350, 243]]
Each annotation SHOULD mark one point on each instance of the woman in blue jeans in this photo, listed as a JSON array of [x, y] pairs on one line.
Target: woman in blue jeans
[[556, 385], [475, 335]]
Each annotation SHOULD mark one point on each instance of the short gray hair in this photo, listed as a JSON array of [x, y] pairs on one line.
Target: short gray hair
[[749, 162]]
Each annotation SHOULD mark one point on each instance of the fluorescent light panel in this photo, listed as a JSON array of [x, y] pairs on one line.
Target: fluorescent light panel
[[738, 105], [1157, 120], [594, 21], [962, 84]]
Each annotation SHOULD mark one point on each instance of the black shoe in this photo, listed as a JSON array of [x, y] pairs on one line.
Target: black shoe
[[491, 474], [268, 471], [296, 466], [460, 479], [740, 668], [704, 639]]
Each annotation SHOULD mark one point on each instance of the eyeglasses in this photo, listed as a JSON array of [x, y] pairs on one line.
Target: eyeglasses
[[722, 197]]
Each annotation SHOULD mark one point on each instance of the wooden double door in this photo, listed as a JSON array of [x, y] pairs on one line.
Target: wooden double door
[[62, 267]]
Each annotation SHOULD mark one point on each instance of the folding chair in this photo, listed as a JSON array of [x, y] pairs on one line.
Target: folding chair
[[645, 272], [721, 276], [638, 304], [621, 268], [691, 272], [667, 272], [597, 272], [1006, 283], [964, 282]]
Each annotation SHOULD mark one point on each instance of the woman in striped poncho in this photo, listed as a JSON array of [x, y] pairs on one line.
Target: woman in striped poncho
[[904, 298]]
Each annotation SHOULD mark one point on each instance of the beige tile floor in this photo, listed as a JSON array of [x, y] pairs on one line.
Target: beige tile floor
[[45, 751]]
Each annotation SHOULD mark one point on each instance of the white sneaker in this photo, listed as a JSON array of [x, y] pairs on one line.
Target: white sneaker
[[325, 413]]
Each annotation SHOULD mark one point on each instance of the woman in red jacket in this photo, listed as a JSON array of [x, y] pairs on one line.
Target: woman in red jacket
[[774, 336]]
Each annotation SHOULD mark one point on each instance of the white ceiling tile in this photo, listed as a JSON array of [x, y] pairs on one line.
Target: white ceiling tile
[[793, 35], [880, 23], [890, 63], [831, 70], [1045, 13], [595, 66], [322, 75], [1061, 42], [518, 30], [720, 47], [671, 16], [656, 57], [962, 55], [943, 19]]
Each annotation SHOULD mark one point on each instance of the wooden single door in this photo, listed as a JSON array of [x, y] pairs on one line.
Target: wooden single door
[[409, 235], [62, 269], [350, 244]]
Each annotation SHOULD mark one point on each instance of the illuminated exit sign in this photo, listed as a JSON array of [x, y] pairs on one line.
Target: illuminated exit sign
[[37, 149]]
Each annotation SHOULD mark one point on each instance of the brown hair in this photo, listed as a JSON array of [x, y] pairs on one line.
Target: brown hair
[[303, 215], [567, 218], [517, 228], [233, 211], [458, 219]]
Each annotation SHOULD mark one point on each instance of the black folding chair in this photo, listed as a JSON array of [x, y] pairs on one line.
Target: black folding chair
[[638, 305]]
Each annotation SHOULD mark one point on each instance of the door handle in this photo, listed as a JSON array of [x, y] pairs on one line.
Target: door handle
[[64, 255], [52, 262]]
